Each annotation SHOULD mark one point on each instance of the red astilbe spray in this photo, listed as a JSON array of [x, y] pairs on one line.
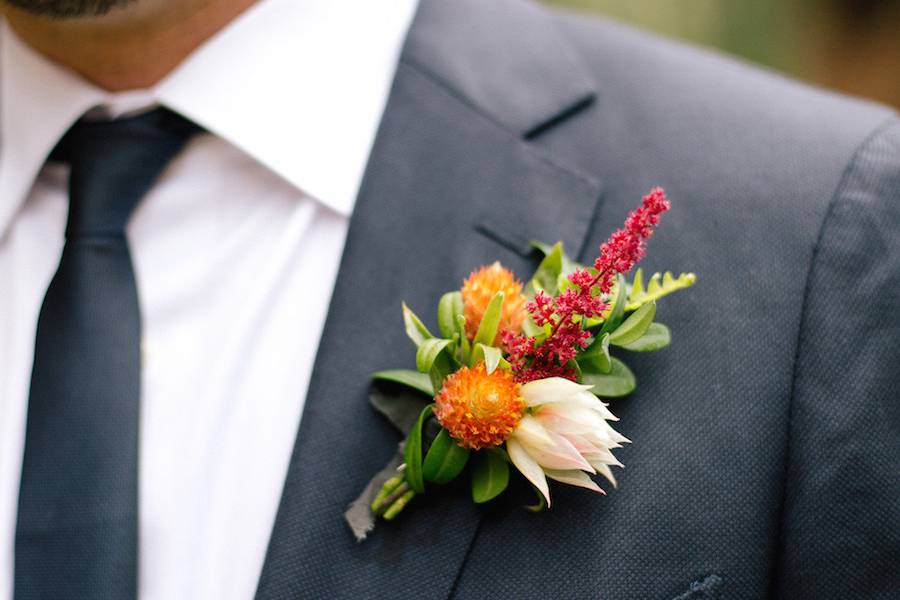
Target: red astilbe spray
[[586, 298]]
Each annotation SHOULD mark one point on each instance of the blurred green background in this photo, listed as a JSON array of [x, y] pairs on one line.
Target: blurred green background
[[849, 45]]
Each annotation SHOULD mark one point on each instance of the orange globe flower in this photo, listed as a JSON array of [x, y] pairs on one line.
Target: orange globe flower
[[479, 410], [480, 288]]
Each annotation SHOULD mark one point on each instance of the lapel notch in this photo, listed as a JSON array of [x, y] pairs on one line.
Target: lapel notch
[[491, 52]]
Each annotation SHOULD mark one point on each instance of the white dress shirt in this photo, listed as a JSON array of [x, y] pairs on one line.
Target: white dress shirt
[[236, 250]]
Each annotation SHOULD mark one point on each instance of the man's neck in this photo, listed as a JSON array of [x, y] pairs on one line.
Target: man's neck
[[131, 48]]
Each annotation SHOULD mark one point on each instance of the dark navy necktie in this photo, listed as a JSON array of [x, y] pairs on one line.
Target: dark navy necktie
[[76, 534]]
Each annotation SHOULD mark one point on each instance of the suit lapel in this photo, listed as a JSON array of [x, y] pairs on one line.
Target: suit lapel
[[451, 184]]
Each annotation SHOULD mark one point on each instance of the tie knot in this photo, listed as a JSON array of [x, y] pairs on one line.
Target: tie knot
[[114, 163]]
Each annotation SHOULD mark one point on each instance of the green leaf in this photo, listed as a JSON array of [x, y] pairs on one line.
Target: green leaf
[[547, 274], [618, 382], [444, 460], [412, 453], [618, 307], [428, 353], [541, 503], [532, 330], [573, 364], [490, 476], [491, 356], [439, 372], [432, 359], [415, 329], [449, 307], [656, 337], [407, 377], [465, 348], [490, 322], [543, 248], [634, 326], [552, 273], [596, 358], [656, 290], [637, 287]]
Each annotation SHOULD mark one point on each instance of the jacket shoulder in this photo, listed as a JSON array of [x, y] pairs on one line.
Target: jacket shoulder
[[695, 83], [694, 110]]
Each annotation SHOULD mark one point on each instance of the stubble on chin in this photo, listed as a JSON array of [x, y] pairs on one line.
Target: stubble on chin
[[68, 9]]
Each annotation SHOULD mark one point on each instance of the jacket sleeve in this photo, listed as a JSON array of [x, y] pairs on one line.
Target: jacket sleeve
[[840, 534]]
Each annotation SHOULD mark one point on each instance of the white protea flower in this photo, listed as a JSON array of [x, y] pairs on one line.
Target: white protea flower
[[564, 436]]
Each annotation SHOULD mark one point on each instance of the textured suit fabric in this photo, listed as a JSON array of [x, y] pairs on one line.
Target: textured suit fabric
[[841, 506], [765, 437]]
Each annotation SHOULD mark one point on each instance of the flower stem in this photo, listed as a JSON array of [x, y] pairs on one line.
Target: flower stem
[[398, 505], [395, 494], [389, 486]]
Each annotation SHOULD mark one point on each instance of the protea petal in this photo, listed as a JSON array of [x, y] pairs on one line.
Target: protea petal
[[608, 474], [530, 430], [528, 467], [551, 389], [606, 437], [603, 457], [599, 438], [574, 477], [602, 409], [588, 400], [562, 417], [618, 437], [566, 437], [582, 444], [559, 454]]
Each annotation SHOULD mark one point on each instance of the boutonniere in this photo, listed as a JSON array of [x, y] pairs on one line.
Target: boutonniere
[[516, 379]]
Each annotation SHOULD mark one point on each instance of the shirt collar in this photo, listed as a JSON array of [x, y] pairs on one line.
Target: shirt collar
[[299, 86]]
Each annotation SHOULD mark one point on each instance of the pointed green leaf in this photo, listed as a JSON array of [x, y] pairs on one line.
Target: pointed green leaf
[[412, 453], [490, 476], [637, 287], [547, 274], [415, 329], [444, 460], [656, 337], [449, 307], [618, 306], [465, 349], [491, 356], [428, 352], [433, 357], [439, 372], [532, 330], [634, 326], [543, 248], [618, 382], [407, 377], [490, 322], [596, 358], [656, 290], [573, 364], [552, 273]]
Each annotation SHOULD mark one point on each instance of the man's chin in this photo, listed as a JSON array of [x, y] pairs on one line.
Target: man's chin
[[68, 9]]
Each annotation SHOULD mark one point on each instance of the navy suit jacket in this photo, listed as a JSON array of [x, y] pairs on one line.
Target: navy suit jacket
[[766, 454]]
